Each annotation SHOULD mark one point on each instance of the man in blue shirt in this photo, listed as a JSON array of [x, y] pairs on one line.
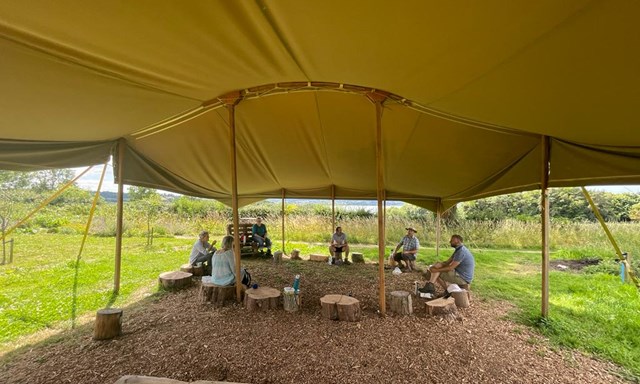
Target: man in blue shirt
[[458, 269], [259, 232]]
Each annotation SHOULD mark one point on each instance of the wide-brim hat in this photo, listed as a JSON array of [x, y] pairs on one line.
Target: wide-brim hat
[[411, 229]]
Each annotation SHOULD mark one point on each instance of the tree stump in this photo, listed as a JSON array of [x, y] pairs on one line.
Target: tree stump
[[401, 303], [340, 307], [291, 300], [186, 268], [357, 257], [198, 269], [467, 287], [108, 324], [295, 254], [441, 306], [175, 280], [461, 298], [216, 294], [316, 257], [261, 298], [277, 257]]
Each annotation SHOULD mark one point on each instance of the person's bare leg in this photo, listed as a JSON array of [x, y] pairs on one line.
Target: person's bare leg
[[346, 252], [332, 251]]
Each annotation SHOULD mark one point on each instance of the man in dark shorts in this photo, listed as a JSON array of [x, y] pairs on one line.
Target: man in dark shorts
[[339, 246], [410, 246]]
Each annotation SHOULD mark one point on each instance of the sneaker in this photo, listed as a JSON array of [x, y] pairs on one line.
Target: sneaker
[[428, 288], [268, 252], [346, 262], [446, 294]]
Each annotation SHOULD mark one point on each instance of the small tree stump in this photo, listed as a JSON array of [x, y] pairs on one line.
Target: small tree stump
[[340, 307], [291, 301], [295, 254], [186, 268], [277, 257], [216, 294], [175, 280], [461, 298], [198, 270], [317, 257], [108, 324], [357, 257], [261, 298], [441, 306], [401, 303]]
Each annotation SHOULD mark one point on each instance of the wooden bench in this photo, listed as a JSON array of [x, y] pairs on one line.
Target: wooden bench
[[245, 232]]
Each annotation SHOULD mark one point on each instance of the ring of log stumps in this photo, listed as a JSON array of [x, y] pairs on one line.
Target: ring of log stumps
[[217, 295], [175, 280], [108, 324], [401, 303], [261, 298], [340, 307]]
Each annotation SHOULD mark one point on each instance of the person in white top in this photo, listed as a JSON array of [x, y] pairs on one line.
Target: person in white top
[[202, 252], [339, 246]]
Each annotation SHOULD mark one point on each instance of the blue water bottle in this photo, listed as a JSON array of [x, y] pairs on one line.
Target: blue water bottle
[[296, 283]]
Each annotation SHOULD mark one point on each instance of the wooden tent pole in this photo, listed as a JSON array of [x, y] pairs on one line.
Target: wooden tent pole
[[596, 212], [283, 196], [546, 223], [438, 227], [333, 208], [230, 101], [119, 215], [378, 98]]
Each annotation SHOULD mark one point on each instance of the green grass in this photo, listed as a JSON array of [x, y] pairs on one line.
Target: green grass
[[45, 289]]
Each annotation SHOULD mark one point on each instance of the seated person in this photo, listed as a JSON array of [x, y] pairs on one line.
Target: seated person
[[202, 251], [259, 232], [410, 246], [339, 245], [458, 269], [224, 265]]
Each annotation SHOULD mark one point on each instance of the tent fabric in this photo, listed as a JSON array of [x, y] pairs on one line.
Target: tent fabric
[[471, 90]]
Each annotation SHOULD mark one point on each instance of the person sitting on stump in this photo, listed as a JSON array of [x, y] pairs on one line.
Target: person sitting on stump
[[458, 269], [339, 246], [224, 265], [202, 251], [410, 246], [259, 232]]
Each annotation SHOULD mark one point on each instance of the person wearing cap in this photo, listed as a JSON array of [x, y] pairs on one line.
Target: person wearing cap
[[410, 246], [458, 269], [202, 251], [259, 232], [339, 245]]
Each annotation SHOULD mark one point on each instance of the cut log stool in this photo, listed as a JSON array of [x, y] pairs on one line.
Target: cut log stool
[[357, 257], [216, 294], [316, 257], [186, 268], [175, 280], [441, 306], [277, 257], [401, 303], [295, 254], [340, 307], [108, 324], [261, 298], [291, 300]]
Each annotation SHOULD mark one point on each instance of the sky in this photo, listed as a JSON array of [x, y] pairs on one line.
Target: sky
[[91, 179]]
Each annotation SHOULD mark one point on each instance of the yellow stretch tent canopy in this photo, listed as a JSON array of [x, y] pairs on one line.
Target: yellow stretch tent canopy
[[471, 89]]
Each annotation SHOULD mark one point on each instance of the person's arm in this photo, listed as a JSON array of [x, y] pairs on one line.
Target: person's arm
[[200, 247], [397, 247], [448, 266]]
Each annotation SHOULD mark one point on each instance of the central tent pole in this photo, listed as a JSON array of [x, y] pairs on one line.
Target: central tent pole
[[119, 215], [378, 99], [544, 208], [438, 226], [333, 208], [283, 195], [230, 101]]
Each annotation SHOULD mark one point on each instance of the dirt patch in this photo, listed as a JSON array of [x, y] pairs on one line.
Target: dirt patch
[[572, 265], [174, 336]]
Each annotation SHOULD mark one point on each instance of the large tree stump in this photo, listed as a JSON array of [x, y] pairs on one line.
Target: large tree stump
[[216, 294], [291, 300], [261, 298], [277, 257], [441, 306], [461, 298], [357, 257], [175, 280], [317, 257], [340, 307], [108, 324], [401, 303], [186, 268]]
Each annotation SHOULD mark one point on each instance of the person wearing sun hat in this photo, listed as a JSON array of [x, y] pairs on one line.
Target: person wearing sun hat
[[410, 246]]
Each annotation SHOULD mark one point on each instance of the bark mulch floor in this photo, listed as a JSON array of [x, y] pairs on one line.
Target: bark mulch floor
[[172, 335]]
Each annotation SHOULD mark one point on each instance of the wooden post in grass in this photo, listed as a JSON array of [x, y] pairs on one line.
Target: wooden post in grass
[[544, 184]]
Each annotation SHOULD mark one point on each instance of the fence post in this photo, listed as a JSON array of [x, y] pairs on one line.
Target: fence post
[[11, 252]]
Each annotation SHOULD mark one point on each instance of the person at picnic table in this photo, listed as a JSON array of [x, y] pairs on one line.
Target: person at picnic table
[[224, 265], [410, 246], [458, 269], [339, 246], [259, 232], [202, 251]]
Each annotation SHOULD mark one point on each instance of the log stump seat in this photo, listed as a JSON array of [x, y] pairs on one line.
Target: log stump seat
[[175, 280], [108, 324], [340, 307], [357, 257], [401, 303], [261, 299], [217, 295]]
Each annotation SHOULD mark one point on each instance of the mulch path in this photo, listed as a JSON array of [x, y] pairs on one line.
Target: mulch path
[[172, 335]]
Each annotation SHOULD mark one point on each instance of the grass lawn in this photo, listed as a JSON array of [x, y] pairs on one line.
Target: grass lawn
[[47, 288]]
